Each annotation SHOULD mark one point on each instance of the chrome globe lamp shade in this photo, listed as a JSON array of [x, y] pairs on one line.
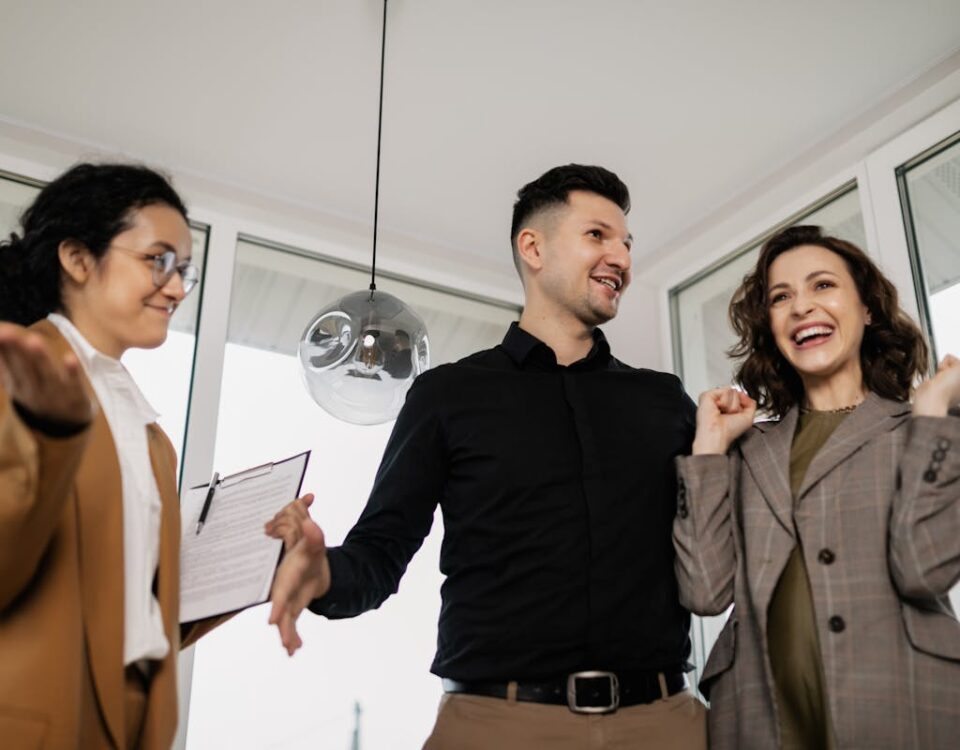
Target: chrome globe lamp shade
[[360, 354]]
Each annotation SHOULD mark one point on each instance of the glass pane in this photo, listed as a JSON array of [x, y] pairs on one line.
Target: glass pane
[[702, 336], [933, 190], [702, 326], [380, 660], [15, 196], [163, 374]]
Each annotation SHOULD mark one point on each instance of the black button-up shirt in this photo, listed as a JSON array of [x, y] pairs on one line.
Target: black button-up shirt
[[558, 492]]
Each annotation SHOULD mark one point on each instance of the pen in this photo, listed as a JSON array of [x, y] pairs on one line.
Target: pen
[[206, 503]]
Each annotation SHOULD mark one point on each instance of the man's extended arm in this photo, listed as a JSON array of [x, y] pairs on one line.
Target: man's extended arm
[[360, 574]]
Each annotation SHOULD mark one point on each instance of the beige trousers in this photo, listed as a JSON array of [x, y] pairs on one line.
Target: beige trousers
[[472, 722]]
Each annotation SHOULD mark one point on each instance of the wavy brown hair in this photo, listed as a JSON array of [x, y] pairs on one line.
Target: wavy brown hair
[[893, 354]]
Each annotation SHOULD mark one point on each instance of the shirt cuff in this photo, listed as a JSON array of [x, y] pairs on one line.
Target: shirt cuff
[[330, 604], [50, 427]]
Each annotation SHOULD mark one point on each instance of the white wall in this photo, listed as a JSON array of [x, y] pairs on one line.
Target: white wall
[[801, 182]]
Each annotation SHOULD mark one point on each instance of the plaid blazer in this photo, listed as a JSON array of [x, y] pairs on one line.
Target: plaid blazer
[[878, 516]]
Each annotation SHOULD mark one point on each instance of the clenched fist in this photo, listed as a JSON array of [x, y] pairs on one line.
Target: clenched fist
[[723, 415], [941, 392]]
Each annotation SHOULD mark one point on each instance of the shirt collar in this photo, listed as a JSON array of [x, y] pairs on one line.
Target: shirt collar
[[98, 366], [525, 348]]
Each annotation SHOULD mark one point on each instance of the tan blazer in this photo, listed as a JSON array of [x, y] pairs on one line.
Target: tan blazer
[[61, 586], [878, 516]]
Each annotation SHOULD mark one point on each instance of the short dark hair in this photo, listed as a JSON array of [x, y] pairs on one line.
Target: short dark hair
[[89, 203], [893, 354], [552, 188]]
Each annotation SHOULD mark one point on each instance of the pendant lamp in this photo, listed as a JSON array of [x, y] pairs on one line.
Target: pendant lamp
[[360, 354]]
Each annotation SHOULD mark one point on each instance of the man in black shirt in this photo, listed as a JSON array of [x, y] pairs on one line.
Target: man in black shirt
[[552, 463]]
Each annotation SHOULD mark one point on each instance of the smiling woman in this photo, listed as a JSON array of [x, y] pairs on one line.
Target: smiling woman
[[833, 529], [89, 514]]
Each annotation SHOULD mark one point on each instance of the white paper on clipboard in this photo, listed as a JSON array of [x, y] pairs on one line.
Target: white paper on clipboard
[[230, 564]]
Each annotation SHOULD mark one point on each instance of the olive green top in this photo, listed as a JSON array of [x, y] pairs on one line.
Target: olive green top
[[791, 623]]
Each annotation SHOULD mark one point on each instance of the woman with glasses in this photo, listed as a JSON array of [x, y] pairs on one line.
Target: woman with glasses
[[89, 514], [834, 527]]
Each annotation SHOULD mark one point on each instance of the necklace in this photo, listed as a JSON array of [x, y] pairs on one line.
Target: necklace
[[841, 410]]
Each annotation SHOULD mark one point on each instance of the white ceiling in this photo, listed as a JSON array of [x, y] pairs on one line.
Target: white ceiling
[[690, 102]]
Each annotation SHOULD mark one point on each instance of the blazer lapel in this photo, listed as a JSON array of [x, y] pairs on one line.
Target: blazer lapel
[[873, 417], [99, 494], [766, 453]]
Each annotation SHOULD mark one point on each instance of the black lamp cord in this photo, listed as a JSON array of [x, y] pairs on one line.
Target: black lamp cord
[[376, 191]]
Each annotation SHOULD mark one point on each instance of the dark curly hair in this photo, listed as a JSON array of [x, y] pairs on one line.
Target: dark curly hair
[[893, 354], [552, 188], [89, 203]]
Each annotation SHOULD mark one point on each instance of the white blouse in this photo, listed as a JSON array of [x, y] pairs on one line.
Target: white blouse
[[128, 413]]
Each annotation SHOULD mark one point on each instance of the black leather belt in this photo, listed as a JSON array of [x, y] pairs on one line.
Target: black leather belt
[[583, 692]]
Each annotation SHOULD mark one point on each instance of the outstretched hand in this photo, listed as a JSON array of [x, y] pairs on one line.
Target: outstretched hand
[[941, 392], [47, 386], [304, 575], [287, 524], [723, 415]]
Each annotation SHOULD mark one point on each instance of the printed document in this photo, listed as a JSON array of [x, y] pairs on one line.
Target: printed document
[[230, 564]]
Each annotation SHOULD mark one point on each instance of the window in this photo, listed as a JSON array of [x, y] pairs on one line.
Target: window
[[930, 190], [242, 680], [930, 193], [16, 193]]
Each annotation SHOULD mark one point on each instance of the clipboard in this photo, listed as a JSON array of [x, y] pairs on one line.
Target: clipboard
[[230, 564]]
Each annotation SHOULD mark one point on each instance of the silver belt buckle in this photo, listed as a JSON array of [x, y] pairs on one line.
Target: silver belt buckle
[[572, 693]]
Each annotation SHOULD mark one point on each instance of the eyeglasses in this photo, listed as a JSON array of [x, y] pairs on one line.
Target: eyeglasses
[[165, 265]]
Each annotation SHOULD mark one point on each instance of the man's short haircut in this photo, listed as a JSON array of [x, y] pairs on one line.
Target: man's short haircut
[[551, 189]]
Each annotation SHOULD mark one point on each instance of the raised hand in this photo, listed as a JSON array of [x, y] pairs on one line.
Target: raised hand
[[303, 576], [941, 392], [287, 524], [723, 415], [47, 386]]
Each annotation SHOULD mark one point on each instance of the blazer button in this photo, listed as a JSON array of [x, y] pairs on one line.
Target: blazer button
[[943, 444], [682, 511], [837, 625], [939, 454], [826, 557], [929, 476]]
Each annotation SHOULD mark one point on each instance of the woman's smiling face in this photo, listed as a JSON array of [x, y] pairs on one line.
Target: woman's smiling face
[[115, 303], [816, 315]]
